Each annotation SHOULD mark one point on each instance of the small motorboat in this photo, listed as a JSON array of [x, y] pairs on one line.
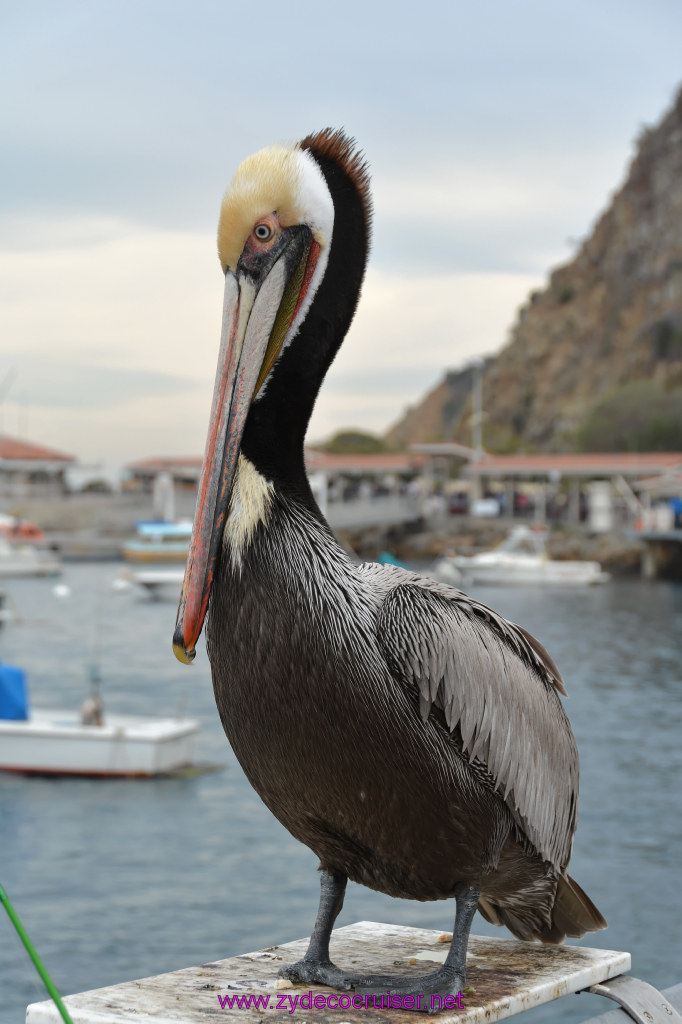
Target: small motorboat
[[521, 558], [20, 531], [158, 584], [48, 741], [159, 541], [53, 742], [22, 560], [7, 610]]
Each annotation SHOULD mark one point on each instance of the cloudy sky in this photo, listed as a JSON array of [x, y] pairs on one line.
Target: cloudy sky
[[496, 130]]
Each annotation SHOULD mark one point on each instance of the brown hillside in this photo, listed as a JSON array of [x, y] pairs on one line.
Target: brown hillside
[[612, 315], [436, 417]]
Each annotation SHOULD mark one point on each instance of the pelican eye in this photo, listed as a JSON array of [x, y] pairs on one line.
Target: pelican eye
[[262, 232]]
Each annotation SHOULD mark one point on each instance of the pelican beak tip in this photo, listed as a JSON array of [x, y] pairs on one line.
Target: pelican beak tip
[[180, 650]]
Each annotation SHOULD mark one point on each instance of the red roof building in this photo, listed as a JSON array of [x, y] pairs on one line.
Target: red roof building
[[16, 452], [183, 470], [30, 470]]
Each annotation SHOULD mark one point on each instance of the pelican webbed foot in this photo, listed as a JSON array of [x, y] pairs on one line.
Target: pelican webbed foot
[[449, 979], [316, 967], [318, 972], [419, 990]]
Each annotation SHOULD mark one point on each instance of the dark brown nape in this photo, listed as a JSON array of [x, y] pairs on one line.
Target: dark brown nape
[[333, 144]]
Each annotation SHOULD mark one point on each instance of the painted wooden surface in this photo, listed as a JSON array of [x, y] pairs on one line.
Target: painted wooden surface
[[504, 977]]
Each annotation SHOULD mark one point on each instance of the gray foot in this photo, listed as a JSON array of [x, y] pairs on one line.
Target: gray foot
[[439, 983], [315, 972], [422, 988]]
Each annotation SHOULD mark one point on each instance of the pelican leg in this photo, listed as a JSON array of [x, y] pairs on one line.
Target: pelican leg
[[316, 967], [448, 979]]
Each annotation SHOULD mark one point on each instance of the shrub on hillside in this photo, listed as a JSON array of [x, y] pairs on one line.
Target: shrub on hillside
[[638, 416]]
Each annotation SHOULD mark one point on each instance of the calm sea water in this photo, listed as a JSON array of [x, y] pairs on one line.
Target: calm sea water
[[121, 879]]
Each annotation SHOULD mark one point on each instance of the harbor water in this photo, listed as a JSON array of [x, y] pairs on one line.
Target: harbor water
[[122, 879]]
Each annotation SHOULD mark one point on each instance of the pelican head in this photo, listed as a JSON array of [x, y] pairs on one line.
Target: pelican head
[[279, 223]]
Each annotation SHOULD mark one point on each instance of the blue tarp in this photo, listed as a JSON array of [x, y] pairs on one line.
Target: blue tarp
[[386, 558], [13, 693]]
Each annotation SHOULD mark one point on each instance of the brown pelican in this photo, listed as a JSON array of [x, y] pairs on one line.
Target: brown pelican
[[410, 736]]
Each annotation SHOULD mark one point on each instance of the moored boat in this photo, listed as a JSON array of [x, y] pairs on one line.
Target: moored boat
[[522, 558], [7, 610], [49, 741], [159, 542], [22, 560], [163, 584], [20, 531], [54, 742]]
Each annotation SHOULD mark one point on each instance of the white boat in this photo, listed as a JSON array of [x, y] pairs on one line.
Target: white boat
[[522, 558], [7, 610], [159, 584], [21, 560], [20, 531], [52, 742], [159, 542]]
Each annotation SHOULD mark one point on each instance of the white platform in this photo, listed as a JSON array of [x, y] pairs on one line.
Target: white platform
[[504, 977]]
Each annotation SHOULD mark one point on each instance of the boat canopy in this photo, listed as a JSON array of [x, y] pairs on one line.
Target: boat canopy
[[13, 693], [158, 530]]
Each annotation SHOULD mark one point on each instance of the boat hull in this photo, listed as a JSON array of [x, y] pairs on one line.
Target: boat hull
[[522, 559], [520, 570], [23, 566], [158, 542], [145, 553], [160, 584], [55, 743]]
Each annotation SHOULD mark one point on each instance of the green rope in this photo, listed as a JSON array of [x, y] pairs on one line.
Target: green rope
[[47, 980]]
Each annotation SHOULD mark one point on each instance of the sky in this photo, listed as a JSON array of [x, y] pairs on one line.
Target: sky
[[496, 132]]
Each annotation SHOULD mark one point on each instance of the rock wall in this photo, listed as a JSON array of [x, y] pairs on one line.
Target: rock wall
[[611, 315]]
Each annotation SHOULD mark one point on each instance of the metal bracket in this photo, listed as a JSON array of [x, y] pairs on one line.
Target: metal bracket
[[641, 1001]]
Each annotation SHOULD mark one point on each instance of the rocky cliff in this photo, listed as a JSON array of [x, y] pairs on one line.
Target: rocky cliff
[[438, 415], [611, 316]]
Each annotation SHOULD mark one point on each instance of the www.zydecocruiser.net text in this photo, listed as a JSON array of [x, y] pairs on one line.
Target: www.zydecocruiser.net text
[[342, 1001]]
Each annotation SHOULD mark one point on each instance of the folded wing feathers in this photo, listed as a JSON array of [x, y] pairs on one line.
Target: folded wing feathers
[[499, 685]]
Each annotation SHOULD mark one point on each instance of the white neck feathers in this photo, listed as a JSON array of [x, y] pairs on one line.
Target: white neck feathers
[[249, 505]]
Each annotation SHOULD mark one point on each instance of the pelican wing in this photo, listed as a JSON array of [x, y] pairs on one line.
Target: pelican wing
[[497, 684]]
